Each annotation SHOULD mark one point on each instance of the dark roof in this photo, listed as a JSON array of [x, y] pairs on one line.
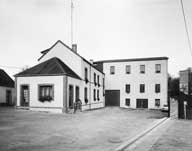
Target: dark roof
[[5, 79], [133, 59], [53, 66], [44, 52]]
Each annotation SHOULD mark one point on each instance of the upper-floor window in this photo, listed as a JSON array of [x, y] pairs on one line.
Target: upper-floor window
[[95, 78], [112, 69], [157, 68], [98, 80], [142, 68], [142, 88], [157, 88], [128, 69], [127, 88], [86, 73]]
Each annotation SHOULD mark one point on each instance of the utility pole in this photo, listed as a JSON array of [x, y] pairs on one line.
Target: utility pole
[[186, 27]]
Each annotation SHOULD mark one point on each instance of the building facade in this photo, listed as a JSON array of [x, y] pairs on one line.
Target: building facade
[[185, 96], [7, 91], [61, 78], [136, 83]]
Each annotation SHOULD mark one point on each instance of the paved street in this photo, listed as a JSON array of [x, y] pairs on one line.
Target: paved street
[[96, 130]]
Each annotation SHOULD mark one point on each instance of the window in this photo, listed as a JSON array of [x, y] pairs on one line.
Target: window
[[127, 88], [142, 68], [128, 69], [94, 95], [98, 95], [157, 88], [45, 93], [98, 80], [86, 75], [103, 87], [85, 96], [157, 68], [95, 79], [127, 102], [157, 102], [112, 69], [142, 88]]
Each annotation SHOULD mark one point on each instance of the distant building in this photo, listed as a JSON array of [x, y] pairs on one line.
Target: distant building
[[6, 89], [185, 81], [61, 78], [185, 98], [135, 83]]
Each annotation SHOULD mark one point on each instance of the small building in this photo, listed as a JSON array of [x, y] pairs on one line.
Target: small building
[[6, 89], [135, 83], [59, 80], [185, 96]]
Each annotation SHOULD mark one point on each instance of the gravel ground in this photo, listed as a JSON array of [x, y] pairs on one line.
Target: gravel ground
[[96, 130]]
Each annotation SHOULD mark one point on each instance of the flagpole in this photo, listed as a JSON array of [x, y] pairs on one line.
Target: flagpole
[[72, 7]]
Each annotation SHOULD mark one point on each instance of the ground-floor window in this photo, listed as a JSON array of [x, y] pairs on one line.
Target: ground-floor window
[[157, 102], [85, 95], [98, 95], [46, 93], [127, 102], [94, 94]]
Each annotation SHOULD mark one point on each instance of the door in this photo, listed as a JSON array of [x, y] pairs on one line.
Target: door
[[142, 103], [71, 97], [24, 95], [8, 97], [112, 97]]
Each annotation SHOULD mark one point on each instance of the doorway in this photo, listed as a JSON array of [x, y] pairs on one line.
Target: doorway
[[76, 93], [112, 97], [71, 95], [8, 97], [24, 96], [142, 103]]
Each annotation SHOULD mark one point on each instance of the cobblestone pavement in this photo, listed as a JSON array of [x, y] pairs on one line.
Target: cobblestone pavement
[[96, 130]]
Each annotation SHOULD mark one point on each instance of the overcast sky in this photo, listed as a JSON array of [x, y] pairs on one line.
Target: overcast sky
[[103, 29]]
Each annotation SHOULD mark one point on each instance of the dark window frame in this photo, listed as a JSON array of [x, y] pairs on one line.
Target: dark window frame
[[128, 69], [127, 101], [142, 88], [43, 89], [157, 68], [157, 103], [112, 70], [157, 88], [127, 88], [142, 69]]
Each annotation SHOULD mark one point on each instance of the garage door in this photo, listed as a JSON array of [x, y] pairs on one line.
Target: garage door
[[112, 97], [142, 103]]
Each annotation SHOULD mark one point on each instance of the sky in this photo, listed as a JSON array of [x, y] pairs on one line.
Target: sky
[[103, 29]]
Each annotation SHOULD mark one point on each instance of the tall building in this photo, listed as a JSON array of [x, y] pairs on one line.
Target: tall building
[[135, 83]]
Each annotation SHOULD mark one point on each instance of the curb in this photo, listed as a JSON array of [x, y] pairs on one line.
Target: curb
[[139, 136]]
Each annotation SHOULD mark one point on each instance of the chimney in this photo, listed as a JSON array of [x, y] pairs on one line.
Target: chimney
[[74, 47], [91, 61]]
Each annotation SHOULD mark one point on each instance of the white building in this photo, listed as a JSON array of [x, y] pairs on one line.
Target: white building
[[135, 83], [6, 89], [60, 79]]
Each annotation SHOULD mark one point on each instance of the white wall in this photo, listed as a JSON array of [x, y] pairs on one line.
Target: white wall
[[33, 83], [150, 78], [67, 56], [3, 94]]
